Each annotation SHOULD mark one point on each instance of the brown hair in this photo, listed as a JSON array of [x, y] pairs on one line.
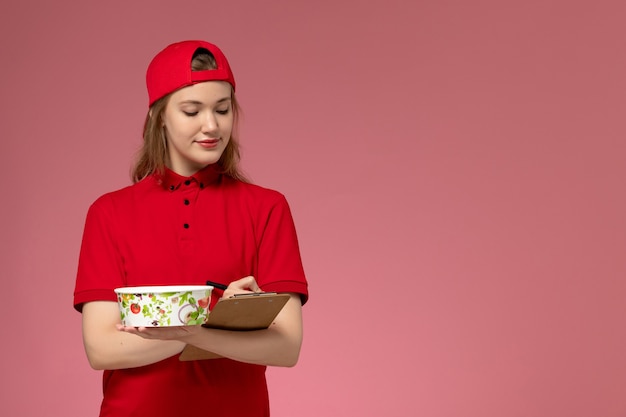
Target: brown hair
[[153, 153]]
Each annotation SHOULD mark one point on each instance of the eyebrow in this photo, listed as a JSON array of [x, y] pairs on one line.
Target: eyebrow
[[222, 100]]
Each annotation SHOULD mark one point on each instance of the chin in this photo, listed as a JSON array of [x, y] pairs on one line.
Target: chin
[[210, 161]]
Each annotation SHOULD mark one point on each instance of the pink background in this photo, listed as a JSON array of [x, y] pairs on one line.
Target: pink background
[[455, 169]]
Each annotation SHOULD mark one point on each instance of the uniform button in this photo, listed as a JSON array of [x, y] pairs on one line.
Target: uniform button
[[201, 185], [187, 182], [186, 202], [186, 226], [171, 188]]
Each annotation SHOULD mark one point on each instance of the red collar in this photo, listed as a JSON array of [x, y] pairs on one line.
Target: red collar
[[172, 181]]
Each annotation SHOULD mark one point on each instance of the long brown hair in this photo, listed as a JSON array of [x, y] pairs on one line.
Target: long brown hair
[[153, 153]]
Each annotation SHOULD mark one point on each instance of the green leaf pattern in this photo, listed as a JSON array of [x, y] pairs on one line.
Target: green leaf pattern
[[164, 309]]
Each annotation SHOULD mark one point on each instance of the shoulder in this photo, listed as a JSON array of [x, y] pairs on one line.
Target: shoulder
[[259, 202], [254, 193], [122, 196]]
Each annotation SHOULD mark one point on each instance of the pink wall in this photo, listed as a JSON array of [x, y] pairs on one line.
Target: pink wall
[[455, 168]]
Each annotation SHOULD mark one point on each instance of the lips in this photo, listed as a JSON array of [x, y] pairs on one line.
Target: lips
[[208, 143]]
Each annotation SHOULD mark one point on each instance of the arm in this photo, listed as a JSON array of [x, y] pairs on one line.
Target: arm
[[279, 345], [108, 348]]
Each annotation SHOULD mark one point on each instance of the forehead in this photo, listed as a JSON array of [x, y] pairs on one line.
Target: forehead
[[206, 92]]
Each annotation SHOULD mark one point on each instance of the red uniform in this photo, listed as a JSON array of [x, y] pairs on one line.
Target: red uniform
[[169, 230]]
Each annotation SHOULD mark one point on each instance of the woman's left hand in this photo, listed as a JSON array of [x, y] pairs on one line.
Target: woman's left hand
[[161, 333], [242, 286]]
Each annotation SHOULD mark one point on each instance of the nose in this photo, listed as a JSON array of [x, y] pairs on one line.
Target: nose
[[209, 123]]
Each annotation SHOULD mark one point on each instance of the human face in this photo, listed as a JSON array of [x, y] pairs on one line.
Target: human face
[[198, 122]]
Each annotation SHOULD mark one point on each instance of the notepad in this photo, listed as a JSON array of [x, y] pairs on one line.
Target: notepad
[[243, 312]]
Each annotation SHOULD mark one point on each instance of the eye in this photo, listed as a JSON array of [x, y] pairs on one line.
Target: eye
[[225, 111], [190, 113]]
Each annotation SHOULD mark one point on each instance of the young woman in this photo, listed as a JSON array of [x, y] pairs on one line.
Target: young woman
[[189, 217]]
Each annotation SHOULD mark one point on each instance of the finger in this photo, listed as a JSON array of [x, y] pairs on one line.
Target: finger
[[242, 286], [126, 329], [250, 284], [246, 283]]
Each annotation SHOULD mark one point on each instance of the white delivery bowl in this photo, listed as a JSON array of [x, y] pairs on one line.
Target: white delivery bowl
[[163, 306]]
